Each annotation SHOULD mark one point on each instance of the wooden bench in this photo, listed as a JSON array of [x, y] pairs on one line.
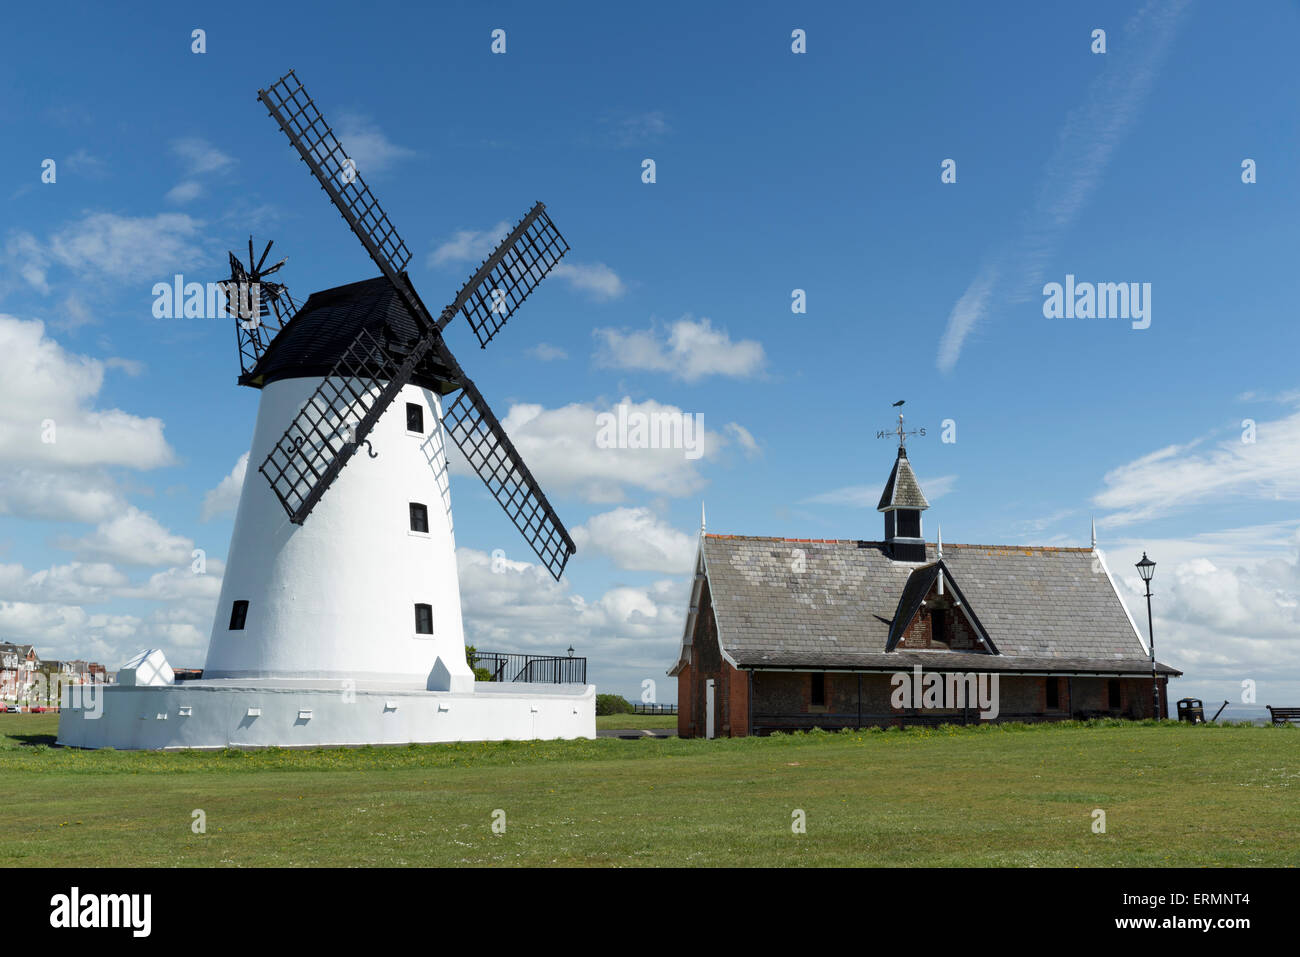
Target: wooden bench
[[1284, 715]]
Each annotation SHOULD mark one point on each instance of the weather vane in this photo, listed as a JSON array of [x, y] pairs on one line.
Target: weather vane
[[899, 430]]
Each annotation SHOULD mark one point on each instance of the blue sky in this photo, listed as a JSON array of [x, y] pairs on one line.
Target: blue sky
[[774, 172]]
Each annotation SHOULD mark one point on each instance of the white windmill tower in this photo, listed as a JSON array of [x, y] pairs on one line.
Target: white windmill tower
[[341, 586]]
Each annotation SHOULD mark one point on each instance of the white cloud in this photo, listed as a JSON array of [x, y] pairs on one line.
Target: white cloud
[[1177, 476], [29, 259], [635, 539], [868, 496], [1226, 607], [180, 584], [637, 128], [223, 499], [128, 248], [744, 439], [59, 494], [1034, 526], [67, 631], [690, 351], [367, 145], [596, 279], [124, 249], [81, 163], [73, 315], [201, 157], [133, 538], [965, 315], [184, 192], [545, 352], [627, 635], [75, 582], [46, 413], [469, 245], [559, 447]]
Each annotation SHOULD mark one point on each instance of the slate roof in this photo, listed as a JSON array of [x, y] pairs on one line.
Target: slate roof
[[1052, 609], [902, 490], [313, 340]]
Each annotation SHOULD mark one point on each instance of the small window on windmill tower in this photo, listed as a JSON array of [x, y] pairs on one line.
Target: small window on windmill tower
[[414, 418], [419, 517], [424, 619], [238, 615]]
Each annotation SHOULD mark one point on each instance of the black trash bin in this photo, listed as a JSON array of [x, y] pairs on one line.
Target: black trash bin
[[1191, 709]]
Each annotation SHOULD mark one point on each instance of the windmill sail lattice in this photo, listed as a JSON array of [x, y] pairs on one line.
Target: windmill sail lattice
[[311, 136], [491, 454], [515, 268], [367, 378]]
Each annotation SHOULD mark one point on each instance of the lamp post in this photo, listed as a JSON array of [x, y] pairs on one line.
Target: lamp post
[[1146, 568]]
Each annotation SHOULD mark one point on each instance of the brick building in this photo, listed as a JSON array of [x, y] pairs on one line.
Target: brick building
[[18, 667], [784, 634]]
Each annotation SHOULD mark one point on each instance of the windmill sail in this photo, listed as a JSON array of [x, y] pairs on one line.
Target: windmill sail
[[491, 454], [368, 376], [335, 421], [515, 268], [311, 136]]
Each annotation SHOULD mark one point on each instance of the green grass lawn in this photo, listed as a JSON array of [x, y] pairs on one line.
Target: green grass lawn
[[615, 722], [1173, 795]]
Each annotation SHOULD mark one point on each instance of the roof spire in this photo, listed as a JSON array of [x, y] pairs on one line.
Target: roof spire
[[1094, 534], [701, 519], [940, 542]]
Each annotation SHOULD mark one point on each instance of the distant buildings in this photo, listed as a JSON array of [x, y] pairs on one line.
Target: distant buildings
[[24, 675]]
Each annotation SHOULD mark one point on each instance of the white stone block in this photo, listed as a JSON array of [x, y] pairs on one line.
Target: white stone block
[[148, 669]]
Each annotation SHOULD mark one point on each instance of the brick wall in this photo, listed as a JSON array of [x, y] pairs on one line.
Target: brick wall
[[730, 689], [920, 632]]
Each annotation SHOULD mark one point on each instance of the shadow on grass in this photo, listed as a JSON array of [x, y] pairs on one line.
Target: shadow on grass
[[32, 740]]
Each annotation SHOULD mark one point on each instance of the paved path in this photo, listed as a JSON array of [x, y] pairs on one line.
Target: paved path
[[633, 733]]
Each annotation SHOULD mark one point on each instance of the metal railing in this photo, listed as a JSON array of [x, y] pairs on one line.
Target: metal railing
[[546, 669], [640, 708]]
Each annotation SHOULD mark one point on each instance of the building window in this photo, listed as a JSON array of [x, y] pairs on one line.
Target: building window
[[414, 418], [424, 619], [939, 627], [238, 615], [419, 517], [909, 523], [1112, 690], [818, 696], [1053, 694]]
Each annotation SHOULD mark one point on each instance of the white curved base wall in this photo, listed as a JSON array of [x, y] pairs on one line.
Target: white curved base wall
[[290, 714]]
